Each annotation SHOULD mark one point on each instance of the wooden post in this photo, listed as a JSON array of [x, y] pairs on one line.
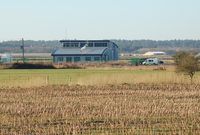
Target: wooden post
[[47, 80]]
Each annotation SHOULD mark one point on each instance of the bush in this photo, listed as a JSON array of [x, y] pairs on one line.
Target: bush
[[31, 66], [69, 66], [187, 63]]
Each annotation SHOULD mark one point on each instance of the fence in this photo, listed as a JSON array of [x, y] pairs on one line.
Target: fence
[[25, 78], [29, 80]]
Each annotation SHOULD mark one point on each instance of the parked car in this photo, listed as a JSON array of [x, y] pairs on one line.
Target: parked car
[[152, 61]]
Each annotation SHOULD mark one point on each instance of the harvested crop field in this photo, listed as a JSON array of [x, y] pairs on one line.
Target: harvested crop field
[[111, 109]]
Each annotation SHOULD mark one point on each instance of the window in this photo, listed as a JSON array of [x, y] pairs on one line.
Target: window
[[76, 45], [71, 44], [96, 58], [87, 58], [89, 44], [60, 59], [66, 44], [68, 59], [82, 44], [100, 44], [77, 59], [150, 60]]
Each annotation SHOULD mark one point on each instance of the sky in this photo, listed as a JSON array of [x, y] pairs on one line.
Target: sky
[[99, 19]]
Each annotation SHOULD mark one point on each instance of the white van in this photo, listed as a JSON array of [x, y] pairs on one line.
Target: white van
[[151, 61]]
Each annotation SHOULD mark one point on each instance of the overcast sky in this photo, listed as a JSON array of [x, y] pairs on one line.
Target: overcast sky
[[99, 19]]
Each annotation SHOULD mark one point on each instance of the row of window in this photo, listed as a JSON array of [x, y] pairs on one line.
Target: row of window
[[77, 59], [83, 44]]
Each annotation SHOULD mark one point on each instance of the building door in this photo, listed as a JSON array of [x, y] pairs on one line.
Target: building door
[[105, 57]]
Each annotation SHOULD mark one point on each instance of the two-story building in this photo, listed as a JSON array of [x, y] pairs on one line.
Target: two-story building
[[86, 51]]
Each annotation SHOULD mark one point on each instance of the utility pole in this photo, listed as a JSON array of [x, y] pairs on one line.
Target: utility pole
[[22, 47]]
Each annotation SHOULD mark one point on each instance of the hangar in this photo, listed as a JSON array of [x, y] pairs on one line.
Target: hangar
[[86, 51]]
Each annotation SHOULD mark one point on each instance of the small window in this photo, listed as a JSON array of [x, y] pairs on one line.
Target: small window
[[74, 44], [87, 58], [65, 44], [68, 59], [60, 59], [77, 59], [90, 45], [96, 58], [101, 44], [82, 44]]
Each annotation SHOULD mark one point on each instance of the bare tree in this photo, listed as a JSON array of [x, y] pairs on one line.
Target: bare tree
[[187, 63]]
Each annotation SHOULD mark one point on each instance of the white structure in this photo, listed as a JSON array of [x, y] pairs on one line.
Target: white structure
[[154, 53], [198, 55], [5, 58]]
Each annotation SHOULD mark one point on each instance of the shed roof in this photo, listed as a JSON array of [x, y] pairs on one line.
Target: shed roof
[[78, 51], [84, 41], [154, 53]]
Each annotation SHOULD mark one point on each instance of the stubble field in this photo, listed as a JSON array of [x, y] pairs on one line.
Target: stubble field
[[109, 109], [98, 102]]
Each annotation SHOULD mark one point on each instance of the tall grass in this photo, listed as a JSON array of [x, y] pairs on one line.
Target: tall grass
[[32, 78], [150, 77]]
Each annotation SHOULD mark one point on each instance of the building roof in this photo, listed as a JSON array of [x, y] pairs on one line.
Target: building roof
[[78, 51], [84, 41], [154, 53]]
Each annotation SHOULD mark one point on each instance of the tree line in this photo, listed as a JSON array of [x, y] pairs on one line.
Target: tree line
[[125, 46]]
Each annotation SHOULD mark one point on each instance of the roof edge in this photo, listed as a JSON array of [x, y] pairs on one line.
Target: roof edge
[[84, 41], [103, 51]]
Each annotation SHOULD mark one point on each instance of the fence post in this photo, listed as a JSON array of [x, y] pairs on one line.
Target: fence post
[[47, 80], [69, 79]]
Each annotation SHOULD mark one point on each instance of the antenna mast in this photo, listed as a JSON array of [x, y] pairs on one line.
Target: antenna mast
[[22, 47]]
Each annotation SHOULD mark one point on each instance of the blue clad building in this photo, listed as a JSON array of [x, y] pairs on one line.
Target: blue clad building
[[86, 51]]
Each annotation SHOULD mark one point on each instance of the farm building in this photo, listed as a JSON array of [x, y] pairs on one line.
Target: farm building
[[86, 51]]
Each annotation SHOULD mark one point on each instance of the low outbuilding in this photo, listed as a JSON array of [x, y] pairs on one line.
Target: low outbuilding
[[5, 58]]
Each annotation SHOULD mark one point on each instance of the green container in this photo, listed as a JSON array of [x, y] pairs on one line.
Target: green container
[[137, 61]]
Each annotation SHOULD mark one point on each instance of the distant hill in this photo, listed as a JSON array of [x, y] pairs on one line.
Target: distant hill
[[126, 46], [30, 46], [169, 46]]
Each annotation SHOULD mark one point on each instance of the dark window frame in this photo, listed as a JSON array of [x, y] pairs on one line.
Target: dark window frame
[[66, 44], [101, 45], [88, 58], [68, 59], [60, 59], [97, 58], [77, 59]]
